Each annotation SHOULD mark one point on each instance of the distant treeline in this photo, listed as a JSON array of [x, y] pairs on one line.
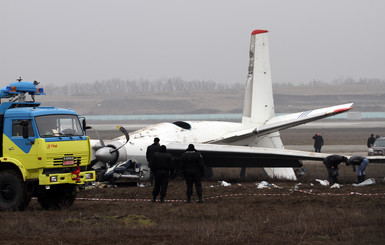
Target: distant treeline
[[116, 86], [339, 81]]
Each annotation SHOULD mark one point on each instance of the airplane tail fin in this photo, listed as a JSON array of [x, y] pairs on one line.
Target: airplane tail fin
[[258, 104]]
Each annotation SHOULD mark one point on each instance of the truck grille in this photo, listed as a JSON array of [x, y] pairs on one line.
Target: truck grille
[[59, 161]]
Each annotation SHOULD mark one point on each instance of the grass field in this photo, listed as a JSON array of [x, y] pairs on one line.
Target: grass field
[[237, 214]]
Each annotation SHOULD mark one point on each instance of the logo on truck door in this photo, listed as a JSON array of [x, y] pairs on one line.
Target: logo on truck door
[[49, 146]]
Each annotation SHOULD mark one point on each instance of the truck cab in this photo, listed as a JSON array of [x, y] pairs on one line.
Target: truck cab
[[45, 152]]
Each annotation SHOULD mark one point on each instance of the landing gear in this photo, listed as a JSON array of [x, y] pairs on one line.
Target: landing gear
[[13, 195], [57, 199]]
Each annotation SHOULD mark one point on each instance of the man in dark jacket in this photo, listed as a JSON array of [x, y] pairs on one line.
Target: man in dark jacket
[[151, 149], [162, 167], [371, 140], [331, 163], [192, 166], [318, 142], [362, 163]]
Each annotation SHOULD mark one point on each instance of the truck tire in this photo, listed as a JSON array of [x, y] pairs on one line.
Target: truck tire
[[55, 200], [13, 195]]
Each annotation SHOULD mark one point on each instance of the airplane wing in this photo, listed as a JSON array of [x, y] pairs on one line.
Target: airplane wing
[[295, 119], [286, 121], [215, 155]]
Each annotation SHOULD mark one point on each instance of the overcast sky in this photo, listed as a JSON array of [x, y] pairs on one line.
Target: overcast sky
[[88, 40]]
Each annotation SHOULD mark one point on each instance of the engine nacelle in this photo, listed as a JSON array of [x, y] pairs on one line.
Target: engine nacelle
[[110, 155]]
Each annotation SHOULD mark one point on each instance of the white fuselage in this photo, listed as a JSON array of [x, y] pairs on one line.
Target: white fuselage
[[169, 133]]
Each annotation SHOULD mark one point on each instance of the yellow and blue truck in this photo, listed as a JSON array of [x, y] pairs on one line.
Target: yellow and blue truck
[[45, 152]]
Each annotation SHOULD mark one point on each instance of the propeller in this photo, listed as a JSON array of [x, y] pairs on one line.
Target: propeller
[[124, 131], [110, 153]]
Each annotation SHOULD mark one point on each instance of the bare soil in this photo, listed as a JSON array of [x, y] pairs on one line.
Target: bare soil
[[308, 213]]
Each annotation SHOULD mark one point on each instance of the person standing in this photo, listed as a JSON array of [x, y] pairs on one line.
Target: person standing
[[162, 168], [362, 163], [151, 149], [318, 142], [331, 163], [371, 140], [192, 166]]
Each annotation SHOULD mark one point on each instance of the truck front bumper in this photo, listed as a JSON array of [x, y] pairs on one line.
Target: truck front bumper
[[67, 178]]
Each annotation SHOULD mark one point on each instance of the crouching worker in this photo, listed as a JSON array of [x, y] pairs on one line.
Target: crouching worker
[[362, 163], [192, 165], [331, 163], [162, 167]]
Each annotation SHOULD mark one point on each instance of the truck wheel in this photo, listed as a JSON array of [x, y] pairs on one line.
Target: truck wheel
[[69, 198], [57, 200], [13, 195]]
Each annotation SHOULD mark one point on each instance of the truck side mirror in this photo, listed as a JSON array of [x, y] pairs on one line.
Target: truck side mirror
[[84, 124]]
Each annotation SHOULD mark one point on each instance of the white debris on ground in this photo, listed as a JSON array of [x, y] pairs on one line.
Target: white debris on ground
[[323, 182], [224, 183], [262, 185], [335, 185], [265, 184], [369, 181]]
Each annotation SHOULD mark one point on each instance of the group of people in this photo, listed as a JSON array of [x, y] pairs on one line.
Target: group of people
[[319, 141], [331, 163], [162, 169]]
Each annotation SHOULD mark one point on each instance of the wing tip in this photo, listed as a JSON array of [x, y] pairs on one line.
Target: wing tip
[[341, 110]]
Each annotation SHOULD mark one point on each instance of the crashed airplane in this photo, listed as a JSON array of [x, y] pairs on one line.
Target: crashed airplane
[[254, 142]]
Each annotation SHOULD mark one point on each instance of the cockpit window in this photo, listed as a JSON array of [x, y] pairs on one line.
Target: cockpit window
[[58, 125], [183, 125]]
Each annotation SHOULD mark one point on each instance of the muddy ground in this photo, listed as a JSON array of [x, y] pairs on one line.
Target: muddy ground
[[285, 212]]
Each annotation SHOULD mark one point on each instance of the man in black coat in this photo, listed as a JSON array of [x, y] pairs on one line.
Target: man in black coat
[[331, 163], [318, 142], [192, 166], [151, 149], [162, 168], [371, 140]]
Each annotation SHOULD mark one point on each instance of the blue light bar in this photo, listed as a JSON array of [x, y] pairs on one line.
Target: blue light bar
[[20, 87]]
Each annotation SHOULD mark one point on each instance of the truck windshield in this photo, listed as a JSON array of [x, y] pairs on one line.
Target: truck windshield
[[58, 125]]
